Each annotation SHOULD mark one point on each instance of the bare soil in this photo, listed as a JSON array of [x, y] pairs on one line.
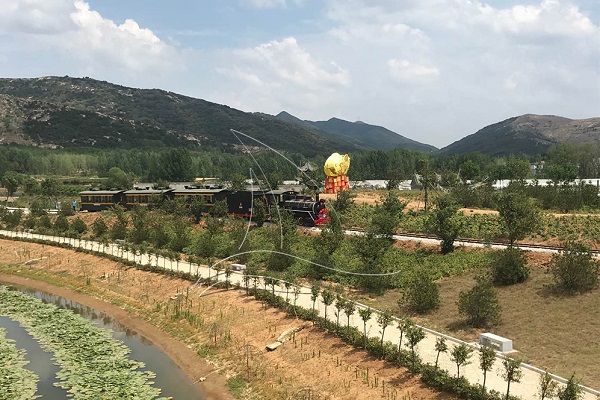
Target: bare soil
[[227, 327]]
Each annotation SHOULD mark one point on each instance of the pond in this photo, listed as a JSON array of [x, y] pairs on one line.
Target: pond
[[169, 377]]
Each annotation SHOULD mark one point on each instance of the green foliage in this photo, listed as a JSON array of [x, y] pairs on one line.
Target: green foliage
[[414, 335], [219, 209], [50, 187], [16, 382], [519, 215], [440, 347], [512, 372], [61, 224], [508, 267], [487, 357], [118, 230], [480, 304], [343, 201], [571, 391], [460, 355], [422, 294], [12, 219], [78, 226], [119, 179], [74, 343], [38, 206], [574, 269], [259, 213], [11, 180], [139, 224], [99, 227], [444, 222], [66, 209], [236, 385], [548, 387]]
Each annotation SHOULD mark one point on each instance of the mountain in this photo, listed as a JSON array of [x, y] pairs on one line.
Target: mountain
[[83, 112], [528, 134], [363, 135]]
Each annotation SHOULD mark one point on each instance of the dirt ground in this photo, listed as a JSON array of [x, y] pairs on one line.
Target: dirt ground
[[226, 327]]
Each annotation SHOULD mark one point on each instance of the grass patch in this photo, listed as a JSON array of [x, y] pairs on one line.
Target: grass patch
[[551, 331], [236, 385]]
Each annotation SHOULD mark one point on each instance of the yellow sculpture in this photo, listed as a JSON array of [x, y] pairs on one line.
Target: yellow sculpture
[[337, 165], [335, 168]]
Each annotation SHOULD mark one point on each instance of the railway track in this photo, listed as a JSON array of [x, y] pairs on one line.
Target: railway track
[[431, 239]]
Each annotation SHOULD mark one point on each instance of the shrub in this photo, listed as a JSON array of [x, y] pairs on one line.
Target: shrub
[[422, 294], [480, 304], [574, 269], [99, 227], [78, 226], [508, 267]]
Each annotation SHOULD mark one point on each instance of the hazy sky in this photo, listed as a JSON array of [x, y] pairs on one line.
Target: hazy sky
[[431, 70]]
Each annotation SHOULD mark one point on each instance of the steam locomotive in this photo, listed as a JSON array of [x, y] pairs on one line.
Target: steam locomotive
[[306, 211]]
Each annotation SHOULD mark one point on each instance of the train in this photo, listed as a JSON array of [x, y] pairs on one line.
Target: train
[[306, 210]]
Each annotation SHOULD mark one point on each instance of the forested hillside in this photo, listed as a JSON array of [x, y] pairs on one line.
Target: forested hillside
[[83, 112]]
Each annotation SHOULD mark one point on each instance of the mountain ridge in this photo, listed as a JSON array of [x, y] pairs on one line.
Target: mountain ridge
[[360, 133], [527, 134]]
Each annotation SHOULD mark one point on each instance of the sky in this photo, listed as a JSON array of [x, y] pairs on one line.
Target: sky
[[431, 70]]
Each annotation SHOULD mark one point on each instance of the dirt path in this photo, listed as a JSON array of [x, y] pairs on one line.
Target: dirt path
[[229, 328]]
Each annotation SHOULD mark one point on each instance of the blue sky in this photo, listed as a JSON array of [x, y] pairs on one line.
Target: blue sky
[[431, 70]]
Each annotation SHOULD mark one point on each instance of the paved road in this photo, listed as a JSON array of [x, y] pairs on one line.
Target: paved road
[[526, 389]]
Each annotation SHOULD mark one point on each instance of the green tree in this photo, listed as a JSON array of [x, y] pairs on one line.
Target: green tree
[[421, 294], [512, 372], [572, 390], [480, 304], [99, 227], [175, 165], [414, 335], [508, 267], [259, 212], [78, 226], [119, 179], [519, 214], [487, 357], [283, 236], [365, 315], [548, 387], [460, 356], [444, 222], [384, 320], [315, 290], [196, 208], [219, 209], [349, 309], [574, 269], [50, 187], [118, 230], [339, 305], [11, 181], [140, 223], [344, 200], [61, 224], [327, 296], [440, 347], [404, 325], [386, 216]]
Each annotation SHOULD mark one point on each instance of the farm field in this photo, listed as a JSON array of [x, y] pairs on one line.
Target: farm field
[[226, 327], [552, 331]]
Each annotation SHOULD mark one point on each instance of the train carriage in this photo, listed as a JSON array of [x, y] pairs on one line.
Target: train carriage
[[144, 197], [210, 196], [98, 200]]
